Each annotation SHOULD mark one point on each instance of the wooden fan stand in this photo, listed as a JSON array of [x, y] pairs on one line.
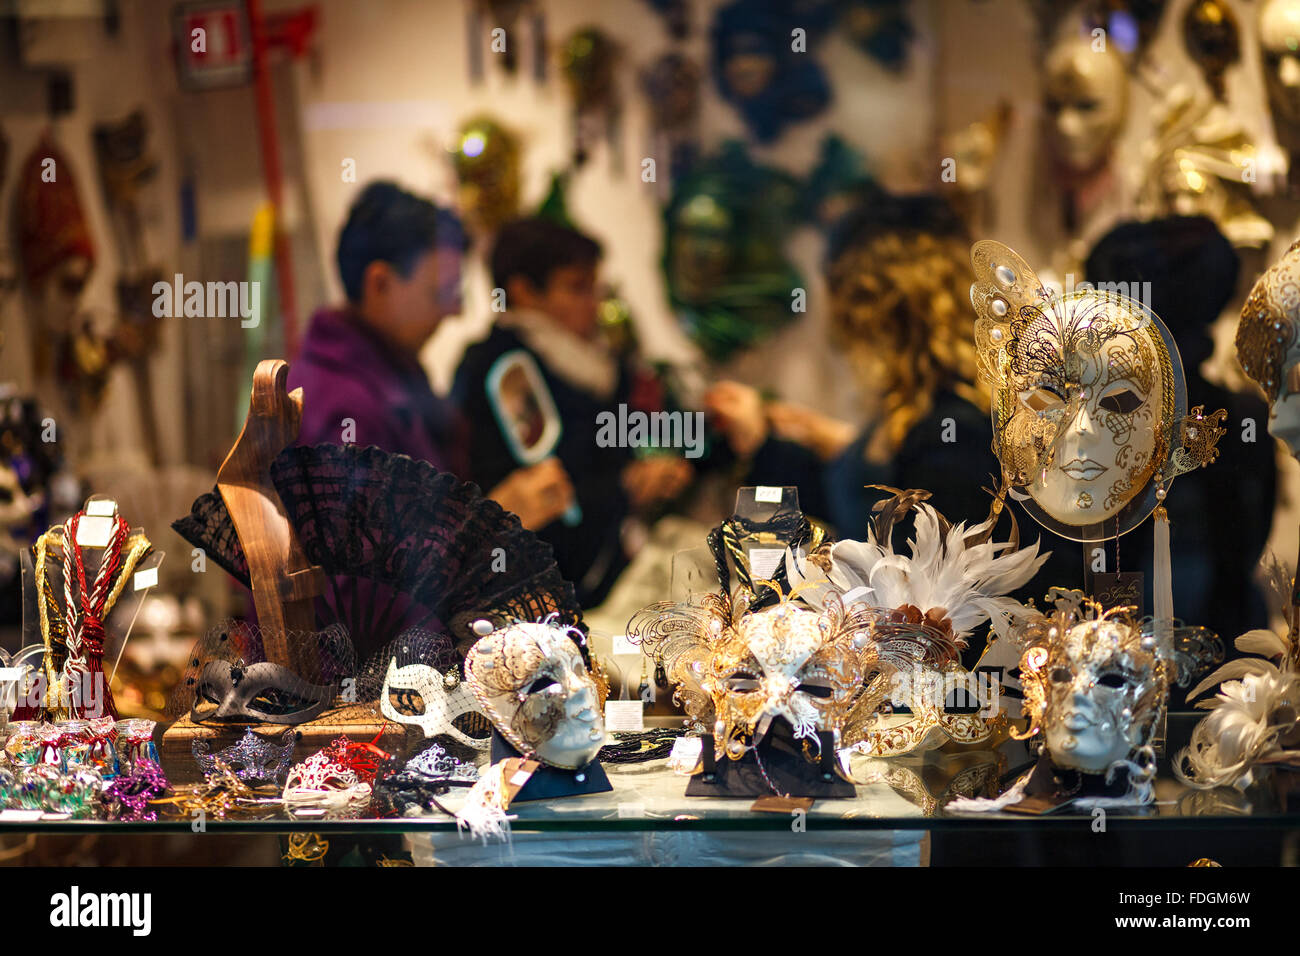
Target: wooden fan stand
[[285, 584]]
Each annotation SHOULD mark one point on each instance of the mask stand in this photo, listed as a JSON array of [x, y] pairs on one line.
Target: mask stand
[[547, 782], [782, 761], [285, 585]]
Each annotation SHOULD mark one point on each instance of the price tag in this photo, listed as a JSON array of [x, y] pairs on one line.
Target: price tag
[[631, 811], [775, 804], [763, 562], [768, 494], [520, 778], [620, 645], [146, 579], [93, 531], [624, 715], [101, 508], [20, 816], [686, 754]]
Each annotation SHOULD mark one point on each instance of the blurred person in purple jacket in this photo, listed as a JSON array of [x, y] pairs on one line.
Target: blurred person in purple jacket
[[400, 258]]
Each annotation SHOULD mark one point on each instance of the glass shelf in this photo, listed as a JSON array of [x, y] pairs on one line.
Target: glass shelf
[[900, 793]]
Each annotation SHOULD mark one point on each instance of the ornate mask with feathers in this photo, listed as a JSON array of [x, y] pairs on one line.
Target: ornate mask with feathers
[[735, 671], [923, 607]]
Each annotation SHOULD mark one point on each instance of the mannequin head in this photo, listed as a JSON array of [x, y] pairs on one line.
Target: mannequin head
[[1279, 39], [1085, 99]]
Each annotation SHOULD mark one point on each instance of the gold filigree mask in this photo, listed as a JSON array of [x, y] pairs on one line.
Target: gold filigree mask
[[1089, 403]]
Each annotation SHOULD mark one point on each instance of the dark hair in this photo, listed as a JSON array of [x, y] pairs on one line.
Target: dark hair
[[388, 224], [535, 248]]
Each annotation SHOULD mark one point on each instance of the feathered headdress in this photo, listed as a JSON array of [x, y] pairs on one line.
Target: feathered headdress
[[954, 580], [924, 605]]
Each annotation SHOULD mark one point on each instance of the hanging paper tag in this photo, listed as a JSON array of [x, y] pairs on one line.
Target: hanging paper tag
[[775, 804], [619, 644], [93, 531], [685, 755], [768, 494], [101, 508], [763, 562], [624, 715], [147, 578], [1121, 589]]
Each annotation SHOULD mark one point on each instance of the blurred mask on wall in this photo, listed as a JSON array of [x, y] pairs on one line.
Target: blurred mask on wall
[[1085, 99], [1279, 39]]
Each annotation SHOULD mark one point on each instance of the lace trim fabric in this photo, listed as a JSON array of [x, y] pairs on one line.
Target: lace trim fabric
[[362, 513]]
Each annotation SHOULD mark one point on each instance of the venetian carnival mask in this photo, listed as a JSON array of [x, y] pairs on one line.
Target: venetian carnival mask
[[735, 671], [1279, 39], [263, 693], [1089, 400], [531, 681], [922, 605], [420, 695], [1085, 97], [1267, 345], [1095, 686], [252, 759]]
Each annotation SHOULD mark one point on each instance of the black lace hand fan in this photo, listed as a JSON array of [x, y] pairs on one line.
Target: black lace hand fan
[[404, 544]]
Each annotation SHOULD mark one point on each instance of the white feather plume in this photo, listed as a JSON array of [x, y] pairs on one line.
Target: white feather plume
[[942, 571]]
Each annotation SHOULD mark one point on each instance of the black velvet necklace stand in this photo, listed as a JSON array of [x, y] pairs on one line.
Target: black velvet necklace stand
[[547, 782], [782, 756]]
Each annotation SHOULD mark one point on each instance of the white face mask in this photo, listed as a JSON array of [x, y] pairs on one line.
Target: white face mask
[[438, 707], [1085, 102], [802, 675], [1284, 417], [532, 682]]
